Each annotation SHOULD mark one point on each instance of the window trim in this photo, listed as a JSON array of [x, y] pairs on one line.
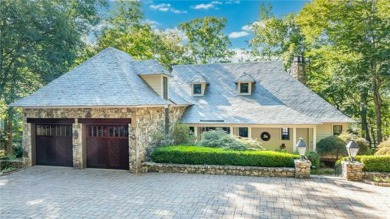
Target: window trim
[[333, 130], [201, 89], [283, 135], [165, 87], [249, 88], [247, 132]]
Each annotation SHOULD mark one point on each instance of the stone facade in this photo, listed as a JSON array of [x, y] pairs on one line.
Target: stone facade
[[302, 168], [144, 122], [219, 170], [352, 171], [369, 175]]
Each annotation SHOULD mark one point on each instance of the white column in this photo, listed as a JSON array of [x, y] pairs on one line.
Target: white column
[[315, 138], [249, 132], [196, 131], [294, 139], [231, 131]]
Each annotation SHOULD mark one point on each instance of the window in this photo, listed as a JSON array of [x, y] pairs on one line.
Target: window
[[243, 132], [337, 129], [165, 88], [285, 133], [206, 129], [244, 88], [197, 89]]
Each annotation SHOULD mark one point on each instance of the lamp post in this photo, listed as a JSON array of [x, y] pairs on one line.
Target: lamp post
[[352, 149], [301, 146]]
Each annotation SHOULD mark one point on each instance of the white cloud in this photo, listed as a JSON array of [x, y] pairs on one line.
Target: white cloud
[[166, 7], [208, 6], [241, 55], [229, 2], [235, 35], [247, 28]]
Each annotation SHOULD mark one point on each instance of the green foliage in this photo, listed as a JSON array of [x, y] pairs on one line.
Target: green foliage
[[18, 151], [206, 41], [377, 163], [219, 138], [220, 156], [331, 146], [383, 148], [364, 146], [276, 37], [314, 159], [251, 144], [127, 30]]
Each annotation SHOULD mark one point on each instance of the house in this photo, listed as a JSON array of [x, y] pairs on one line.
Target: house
[[102, 113]]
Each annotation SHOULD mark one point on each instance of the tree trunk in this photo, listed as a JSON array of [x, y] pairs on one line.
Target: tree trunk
[[363, 116], [9, 130], [378, 113]]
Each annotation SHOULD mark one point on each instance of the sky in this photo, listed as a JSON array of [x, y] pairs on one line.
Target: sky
[[240, 14]]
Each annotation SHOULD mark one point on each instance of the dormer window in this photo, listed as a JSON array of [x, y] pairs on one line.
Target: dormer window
[[197, 89], [198, 85], [244, 88], [245, 84]]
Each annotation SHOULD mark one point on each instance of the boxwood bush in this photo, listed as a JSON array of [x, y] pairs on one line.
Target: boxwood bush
[[331, 146], [384, 148], [371, 163], [220, 156]]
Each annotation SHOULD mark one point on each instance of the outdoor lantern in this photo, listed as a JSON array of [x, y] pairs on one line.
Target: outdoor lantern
[[301, 146], [352, 149]]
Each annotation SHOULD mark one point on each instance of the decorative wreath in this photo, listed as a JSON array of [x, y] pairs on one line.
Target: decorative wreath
[[265, 136]]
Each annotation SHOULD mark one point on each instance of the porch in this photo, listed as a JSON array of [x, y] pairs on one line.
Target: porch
[[272, 137]]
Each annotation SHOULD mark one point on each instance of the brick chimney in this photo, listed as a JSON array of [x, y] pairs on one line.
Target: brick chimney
[[297, 69]]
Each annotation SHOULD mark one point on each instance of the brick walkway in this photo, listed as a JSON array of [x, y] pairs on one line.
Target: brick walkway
[[56, 192]]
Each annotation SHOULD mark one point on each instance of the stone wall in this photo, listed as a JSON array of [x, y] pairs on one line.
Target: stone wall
[[144, 122], [11, 163], [369, 175], [218, 170]]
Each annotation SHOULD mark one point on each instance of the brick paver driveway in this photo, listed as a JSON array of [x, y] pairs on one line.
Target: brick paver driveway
[[57, 192]]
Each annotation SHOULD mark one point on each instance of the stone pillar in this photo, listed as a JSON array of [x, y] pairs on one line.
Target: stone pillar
[[28, 150], [302, 168], [77, 140], [352, 171]]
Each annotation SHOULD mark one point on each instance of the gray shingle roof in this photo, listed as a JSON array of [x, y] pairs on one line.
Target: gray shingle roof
[[149, 67], [198, 79], [110, 78], [277, 97], [245, 77]]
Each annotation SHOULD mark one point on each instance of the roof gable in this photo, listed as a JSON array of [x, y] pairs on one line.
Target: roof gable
[[245, 77]]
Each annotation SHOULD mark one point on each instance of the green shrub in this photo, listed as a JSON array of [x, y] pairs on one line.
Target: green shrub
[[331, 146], [220, 156], [384, 148], [371, 163], [18, 151], [383, 151], [314, 159], [251, 144], [364, 145], [384, 144], [219, 138]]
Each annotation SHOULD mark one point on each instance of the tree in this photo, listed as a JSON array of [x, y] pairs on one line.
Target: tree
[[206, 42], [276, 38], [359, 29], [39, 41], [127, 30]]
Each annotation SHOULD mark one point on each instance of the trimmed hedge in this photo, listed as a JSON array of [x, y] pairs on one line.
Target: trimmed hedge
[[220, 156], [372, 163]]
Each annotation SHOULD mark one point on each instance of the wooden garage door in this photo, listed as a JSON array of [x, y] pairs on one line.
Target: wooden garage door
[[54, 145], [108, 146]]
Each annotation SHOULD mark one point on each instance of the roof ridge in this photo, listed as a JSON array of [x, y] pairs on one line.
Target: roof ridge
[[228, 63]]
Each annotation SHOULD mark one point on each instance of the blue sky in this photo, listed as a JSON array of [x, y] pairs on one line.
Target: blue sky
[[168, 14]]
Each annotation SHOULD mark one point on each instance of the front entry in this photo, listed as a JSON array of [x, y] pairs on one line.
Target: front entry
[[107, 146], [54, 144]]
